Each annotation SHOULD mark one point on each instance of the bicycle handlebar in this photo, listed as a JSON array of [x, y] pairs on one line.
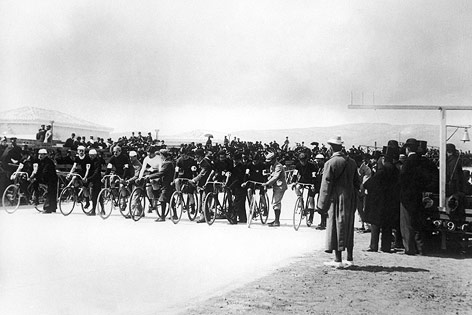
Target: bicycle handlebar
[[15, 174]]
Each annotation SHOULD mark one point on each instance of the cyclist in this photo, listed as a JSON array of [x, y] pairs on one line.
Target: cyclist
[[151, 164], [306, 174], [135, 165], [279, 184], [222, 168], [84, 162], [95, 177], [202, 177], [119, 162], [185, 167], [166, 175]]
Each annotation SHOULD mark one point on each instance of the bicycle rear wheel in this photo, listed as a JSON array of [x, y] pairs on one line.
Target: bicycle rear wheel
[[192, 208], [137, 204], [263, 208], [252, 210], [105, 203], [39, 197], [227, 206], [84, 201], [176, 206], [210, 208], [11, 199], [67, 200], [298, 213], [123, 202]]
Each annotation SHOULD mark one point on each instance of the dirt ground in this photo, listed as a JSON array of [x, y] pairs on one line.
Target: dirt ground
[[378, 283]]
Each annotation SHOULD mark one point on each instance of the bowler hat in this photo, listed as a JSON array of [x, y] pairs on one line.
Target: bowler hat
[[42, 151]]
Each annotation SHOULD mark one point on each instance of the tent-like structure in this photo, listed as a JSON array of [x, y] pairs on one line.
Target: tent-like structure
[[24, 123]]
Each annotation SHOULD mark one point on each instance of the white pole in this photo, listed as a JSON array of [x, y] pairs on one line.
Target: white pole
[[442, 161]]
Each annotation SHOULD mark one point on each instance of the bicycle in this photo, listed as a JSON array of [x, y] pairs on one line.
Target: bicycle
[[138, 197], [73, 193], [212, 205], [180, 202], [257, 207], [13, 194], [300, 210], [114, 195]]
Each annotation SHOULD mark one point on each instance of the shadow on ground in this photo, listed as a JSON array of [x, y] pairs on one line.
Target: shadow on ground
[[385, 269]]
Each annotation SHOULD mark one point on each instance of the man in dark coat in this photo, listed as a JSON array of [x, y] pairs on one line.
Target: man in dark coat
[[236, 179], [338, 193], [46, 174], [412, 183], [383, 201], [455, 181]]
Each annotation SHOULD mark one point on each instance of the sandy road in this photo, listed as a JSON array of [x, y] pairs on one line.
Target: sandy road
[[51, 264]]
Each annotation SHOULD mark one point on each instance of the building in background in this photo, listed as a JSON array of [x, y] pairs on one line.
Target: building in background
[[25, 122]]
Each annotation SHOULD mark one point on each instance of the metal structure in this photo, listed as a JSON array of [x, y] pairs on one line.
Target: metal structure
[[442, 136]]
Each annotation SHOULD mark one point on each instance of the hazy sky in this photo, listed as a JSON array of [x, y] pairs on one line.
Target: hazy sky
[[232, 65]]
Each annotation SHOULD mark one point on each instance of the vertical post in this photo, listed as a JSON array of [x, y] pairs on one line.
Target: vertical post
[[157, 134], [52, 130], [442, 170]]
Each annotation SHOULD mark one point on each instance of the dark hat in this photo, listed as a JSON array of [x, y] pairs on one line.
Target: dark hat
[[451, 148], [412, 143], [200, 152], [392, 143], [422, 146], [392, 152], [152, 149]]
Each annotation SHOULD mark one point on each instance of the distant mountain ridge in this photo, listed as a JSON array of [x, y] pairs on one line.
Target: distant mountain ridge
[[369, 134]]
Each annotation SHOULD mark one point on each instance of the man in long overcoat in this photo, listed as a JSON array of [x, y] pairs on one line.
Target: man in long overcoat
[[46, 174], [339, 187]]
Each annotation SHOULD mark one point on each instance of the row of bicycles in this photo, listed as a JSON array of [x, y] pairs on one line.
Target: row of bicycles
[[131, 199]]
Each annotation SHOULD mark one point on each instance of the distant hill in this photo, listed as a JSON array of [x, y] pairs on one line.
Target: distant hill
[[353, 134]]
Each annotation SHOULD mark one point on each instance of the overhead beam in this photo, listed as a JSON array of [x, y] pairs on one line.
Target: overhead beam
[[410, 107]]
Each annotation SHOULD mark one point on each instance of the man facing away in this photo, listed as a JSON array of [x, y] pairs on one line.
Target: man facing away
[[338, 193]]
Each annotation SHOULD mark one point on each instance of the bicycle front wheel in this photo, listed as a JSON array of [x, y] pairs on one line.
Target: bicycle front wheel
[[192, 208], [176, 206], [137, 204], [105, 203], [210, 208], [67, 200], [298, 213], [263, 208], [11, 199]]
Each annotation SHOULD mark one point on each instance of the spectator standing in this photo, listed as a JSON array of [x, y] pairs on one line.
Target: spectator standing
[[338, 193]]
